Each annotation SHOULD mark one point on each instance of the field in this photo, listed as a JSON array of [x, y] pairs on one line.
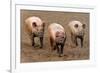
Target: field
[[30, 54]]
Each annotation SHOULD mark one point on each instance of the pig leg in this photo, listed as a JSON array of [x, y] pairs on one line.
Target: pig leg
[[41, 42], [58, 48], [73, 38], [33, 40], [81, 42], [51, 42], [62, 48], [53, 45], [76, 42], [54, 48]]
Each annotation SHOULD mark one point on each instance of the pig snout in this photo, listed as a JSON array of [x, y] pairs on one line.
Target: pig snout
[[81, 33], [60, 39], [40, 34], [40, 31]]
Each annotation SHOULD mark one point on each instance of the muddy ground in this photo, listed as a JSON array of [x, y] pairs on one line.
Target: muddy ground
[[31, 54]]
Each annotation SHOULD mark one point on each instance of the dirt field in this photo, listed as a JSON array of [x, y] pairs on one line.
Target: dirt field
[[31, 54]]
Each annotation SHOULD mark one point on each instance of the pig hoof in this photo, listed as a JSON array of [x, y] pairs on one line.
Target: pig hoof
[[41, 47], [32, 44], [60, 55]]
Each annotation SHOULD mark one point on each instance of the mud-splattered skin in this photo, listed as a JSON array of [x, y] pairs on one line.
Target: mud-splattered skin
[[77, 31], [57, 37], [35, 28]]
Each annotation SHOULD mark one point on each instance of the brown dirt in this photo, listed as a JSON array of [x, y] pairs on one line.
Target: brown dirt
[[31, 54]]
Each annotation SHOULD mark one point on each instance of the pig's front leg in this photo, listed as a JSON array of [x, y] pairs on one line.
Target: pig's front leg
[[41, 42], [33, 43], [81, 42]]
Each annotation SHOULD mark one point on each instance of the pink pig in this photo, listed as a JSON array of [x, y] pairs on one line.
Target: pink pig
[[57, 37], [35, 28], [77, 31]]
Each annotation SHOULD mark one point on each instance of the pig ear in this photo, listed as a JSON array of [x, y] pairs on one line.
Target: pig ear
[[84, 26], [34, 24], [43, 24], [76, 25]]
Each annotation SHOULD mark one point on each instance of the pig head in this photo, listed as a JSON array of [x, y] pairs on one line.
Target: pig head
[[35, 27], [77, 30]]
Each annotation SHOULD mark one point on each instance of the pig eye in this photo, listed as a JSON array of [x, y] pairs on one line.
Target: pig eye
[[34, 24], [76, 25], [43, 24], [62, 37], [84, 26], [57, 36]]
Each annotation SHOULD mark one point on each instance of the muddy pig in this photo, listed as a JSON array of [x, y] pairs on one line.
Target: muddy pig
[[35, 28], [77, 30], [57, 37]]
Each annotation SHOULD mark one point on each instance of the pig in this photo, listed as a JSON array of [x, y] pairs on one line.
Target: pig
[[77, 30], [57, 37], [35, 28]]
